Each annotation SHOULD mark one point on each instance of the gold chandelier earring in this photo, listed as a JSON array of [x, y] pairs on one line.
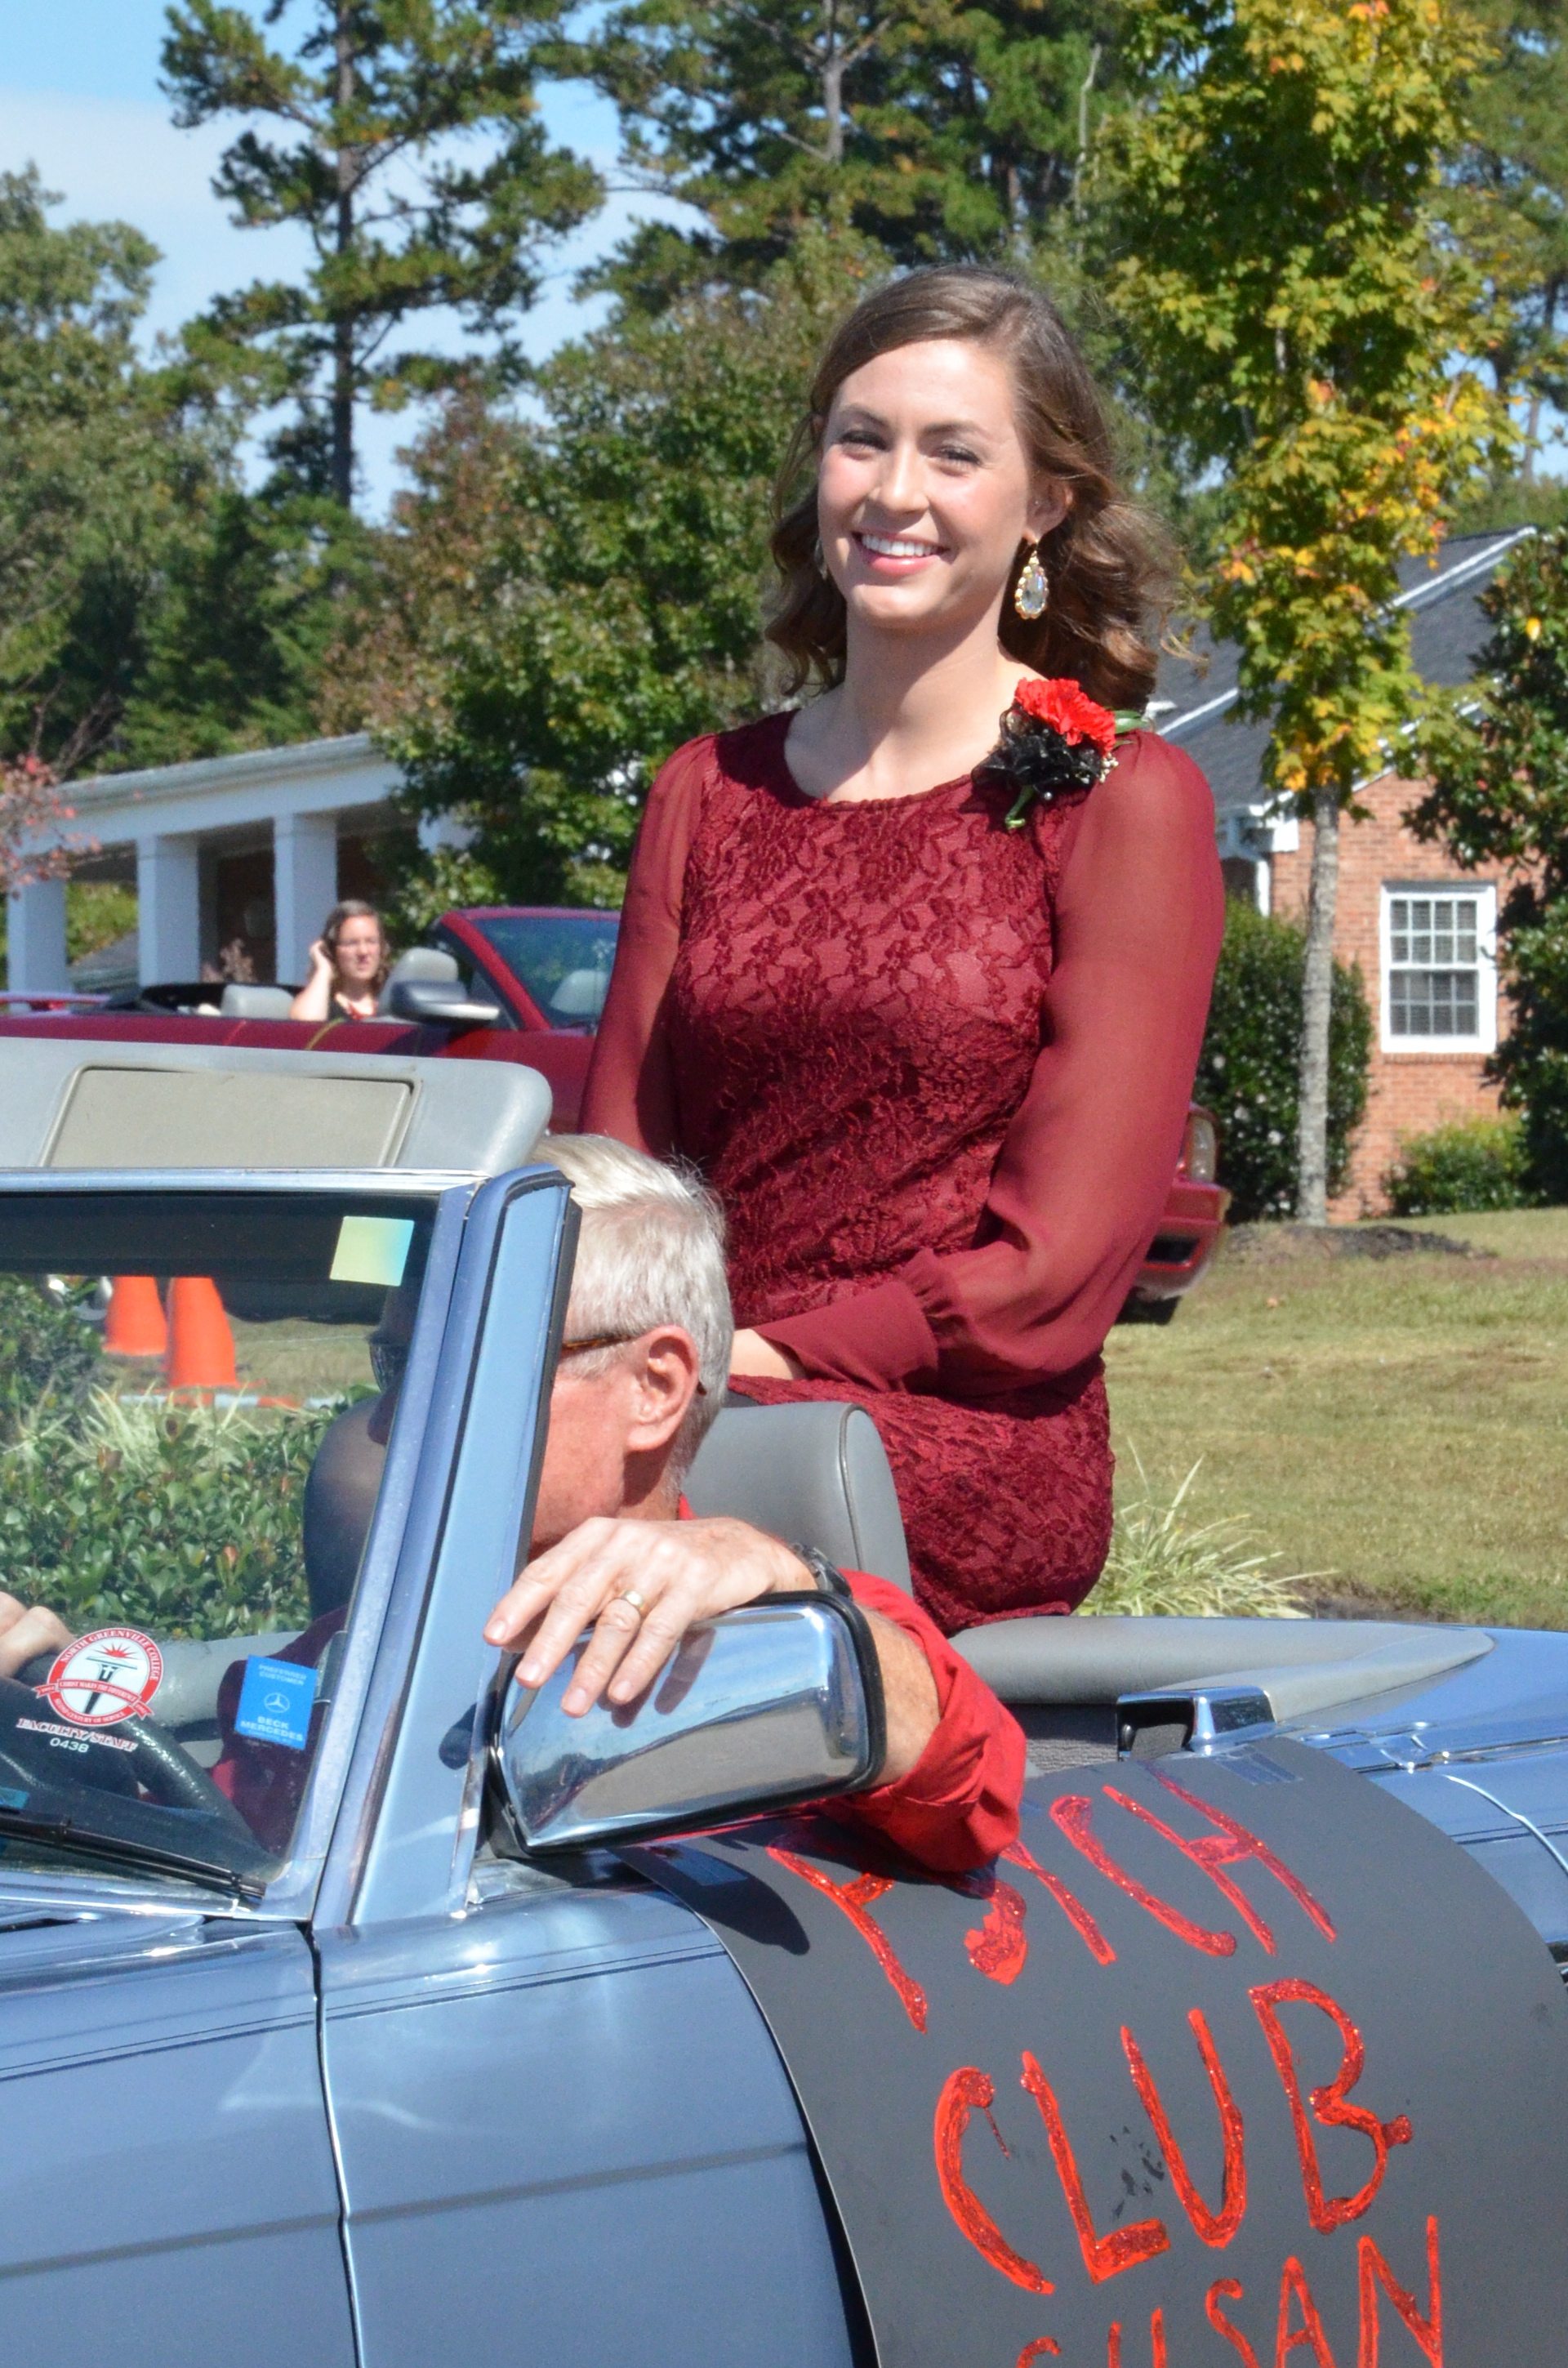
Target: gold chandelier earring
[[1032, 590]]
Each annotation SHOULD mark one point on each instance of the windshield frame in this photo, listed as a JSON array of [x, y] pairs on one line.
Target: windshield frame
[[290, 1893]]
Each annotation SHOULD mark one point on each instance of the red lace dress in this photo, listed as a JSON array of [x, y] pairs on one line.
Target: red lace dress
[[938, 1072]]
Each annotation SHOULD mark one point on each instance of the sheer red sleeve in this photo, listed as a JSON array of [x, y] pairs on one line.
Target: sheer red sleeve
[[631, 1092], [958, 1807], [1083, 1175]]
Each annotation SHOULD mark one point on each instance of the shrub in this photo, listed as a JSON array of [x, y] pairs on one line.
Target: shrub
[[1477, 1163], [183, 1518], [48, 1356], [1159, 1565], [1248, 1069]]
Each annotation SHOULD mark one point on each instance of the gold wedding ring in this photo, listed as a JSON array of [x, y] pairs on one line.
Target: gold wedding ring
[[639, 1602]]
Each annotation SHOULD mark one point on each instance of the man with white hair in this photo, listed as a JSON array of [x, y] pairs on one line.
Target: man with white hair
[[643, 1372]]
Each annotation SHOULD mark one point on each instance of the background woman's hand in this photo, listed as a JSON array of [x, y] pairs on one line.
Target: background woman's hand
[[320, 958], [684, 1571]]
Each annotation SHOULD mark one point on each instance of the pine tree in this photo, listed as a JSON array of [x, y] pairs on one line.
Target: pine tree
[[940, 130], [410, 150]]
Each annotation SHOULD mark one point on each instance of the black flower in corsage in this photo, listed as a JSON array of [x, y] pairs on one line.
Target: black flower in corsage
[[1054, 737]]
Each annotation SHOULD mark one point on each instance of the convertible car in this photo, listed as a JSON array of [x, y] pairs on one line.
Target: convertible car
[[526, 984], [357, 2009]]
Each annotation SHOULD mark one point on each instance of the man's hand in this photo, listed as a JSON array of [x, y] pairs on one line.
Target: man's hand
[[683, 1571], [27, 1629]]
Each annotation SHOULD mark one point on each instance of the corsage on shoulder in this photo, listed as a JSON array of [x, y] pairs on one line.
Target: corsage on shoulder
[[1054, 737]]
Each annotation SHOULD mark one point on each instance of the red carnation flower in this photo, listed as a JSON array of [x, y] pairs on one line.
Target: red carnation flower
[[1066, 708]]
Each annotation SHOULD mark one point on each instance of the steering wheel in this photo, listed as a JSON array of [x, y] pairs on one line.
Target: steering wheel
[[156, 1763]]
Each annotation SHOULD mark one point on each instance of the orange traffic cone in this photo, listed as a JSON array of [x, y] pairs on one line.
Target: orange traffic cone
[[201, 1347], [133, 1323]]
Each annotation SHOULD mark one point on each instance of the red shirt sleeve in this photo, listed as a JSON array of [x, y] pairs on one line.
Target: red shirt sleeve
[[1083, 1175], [631, 1091], [958, 1804]]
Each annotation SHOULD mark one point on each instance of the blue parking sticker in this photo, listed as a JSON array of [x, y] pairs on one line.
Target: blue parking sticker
[[274, 1702]]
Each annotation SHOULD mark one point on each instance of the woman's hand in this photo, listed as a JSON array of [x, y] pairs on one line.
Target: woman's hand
[[314, 999], [752, 1354], [684, 1571]]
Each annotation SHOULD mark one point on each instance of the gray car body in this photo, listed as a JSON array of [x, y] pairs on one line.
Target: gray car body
[[418, 2107]]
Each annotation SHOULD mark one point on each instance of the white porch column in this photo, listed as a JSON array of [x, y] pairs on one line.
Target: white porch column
[[168, 910], [305, 887], [35, 938]]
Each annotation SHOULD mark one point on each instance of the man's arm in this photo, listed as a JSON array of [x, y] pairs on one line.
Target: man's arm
[[957, 1806], [954, 1768]]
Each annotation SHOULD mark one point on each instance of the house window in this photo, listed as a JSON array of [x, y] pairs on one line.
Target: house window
[[1439, 975]]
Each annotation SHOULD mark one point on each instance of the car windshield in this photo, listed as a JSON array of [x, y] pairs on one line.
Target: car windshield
[[562, 959], [196, 1391]]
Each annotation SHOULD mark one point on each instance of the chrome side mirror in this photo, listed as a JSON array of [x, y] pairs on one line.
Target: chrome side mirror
[[778, 1702]]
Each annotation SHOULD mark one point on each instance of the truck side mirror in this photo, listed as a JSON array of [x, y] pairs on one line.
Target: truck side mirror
[[776, 1703]]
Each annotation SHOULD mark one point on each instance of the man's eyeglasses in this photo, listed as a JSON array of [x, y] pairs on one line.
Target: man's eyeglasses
[[612, 1341]]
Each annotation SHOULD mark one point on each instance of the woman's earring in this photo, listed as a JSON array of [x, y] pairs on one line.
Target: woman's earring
[[818, 561], [1032, 589]]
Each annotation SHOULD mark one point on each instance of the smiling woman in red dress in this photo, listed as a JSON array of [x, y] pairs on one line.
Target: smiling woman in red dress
[[916, 972]]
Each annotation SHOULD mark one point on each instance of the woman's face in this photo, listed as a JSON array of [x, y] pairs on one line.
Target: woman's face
[[359, 951], [925, 489]]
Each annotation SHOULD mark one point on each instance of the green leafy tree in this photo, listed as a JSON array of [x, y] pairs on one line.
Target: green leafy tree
[[1514, 160], [1496, 755], [1249, 1071], [937, 128], [565, 600], [1284, 277], [149, 608], [96, 459], [410, 151], [234, 646]]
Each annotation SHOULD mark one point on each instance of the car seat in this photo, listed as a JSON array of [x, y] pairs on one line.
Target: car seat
[[815, 1472], [426, 963], [243, 1002], [340, 1497]]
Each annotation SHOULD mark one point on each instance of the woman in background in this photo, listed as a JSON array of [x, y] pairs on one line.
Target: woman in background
[[918, 971], [349, 962]]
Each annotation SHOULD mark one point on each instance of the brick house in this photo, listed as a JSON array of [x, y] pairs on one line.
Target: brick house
[[1422, 931]]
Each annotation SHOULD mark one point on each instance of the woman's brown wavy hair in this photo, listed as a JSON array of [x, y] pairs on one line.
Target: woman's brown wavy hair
[[1108, 567]]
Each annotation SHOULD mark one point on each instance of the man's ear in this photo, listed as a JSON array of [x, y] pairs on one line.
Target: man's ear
[[663, 1384]]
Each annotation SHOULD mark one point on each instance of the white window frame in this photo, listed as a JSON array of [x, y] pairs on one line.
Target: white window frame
[[1419, 1048]]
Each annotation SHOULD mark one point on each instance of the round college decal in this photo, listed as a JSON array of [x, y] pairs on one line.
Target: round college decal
[[101, 1679]]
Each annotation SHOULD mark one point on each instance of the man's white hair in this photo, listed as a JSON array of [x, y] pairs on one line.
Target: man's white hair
[[650, 1251]]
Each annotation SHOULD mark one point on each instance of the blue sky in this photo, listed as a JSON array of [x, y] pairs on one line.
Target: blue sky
[[79, 98]]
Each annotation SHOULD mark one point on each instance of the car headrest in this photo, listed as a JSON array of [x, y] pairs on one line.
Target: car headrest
[[581, 995], [426, 963], [255, 1002], [815, 1473]]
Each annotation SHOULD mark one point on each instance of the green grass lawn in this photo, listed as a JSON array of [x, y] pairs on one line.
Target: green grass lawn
[[1401, 1424]]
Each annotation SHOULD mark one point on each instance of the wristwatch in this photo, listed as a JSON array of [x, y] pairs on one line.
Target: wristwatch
[[829, 1580]]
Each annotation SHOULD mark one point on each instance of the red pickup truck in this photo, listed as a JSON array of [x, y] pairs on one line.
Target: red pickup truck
[[525, 983]]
